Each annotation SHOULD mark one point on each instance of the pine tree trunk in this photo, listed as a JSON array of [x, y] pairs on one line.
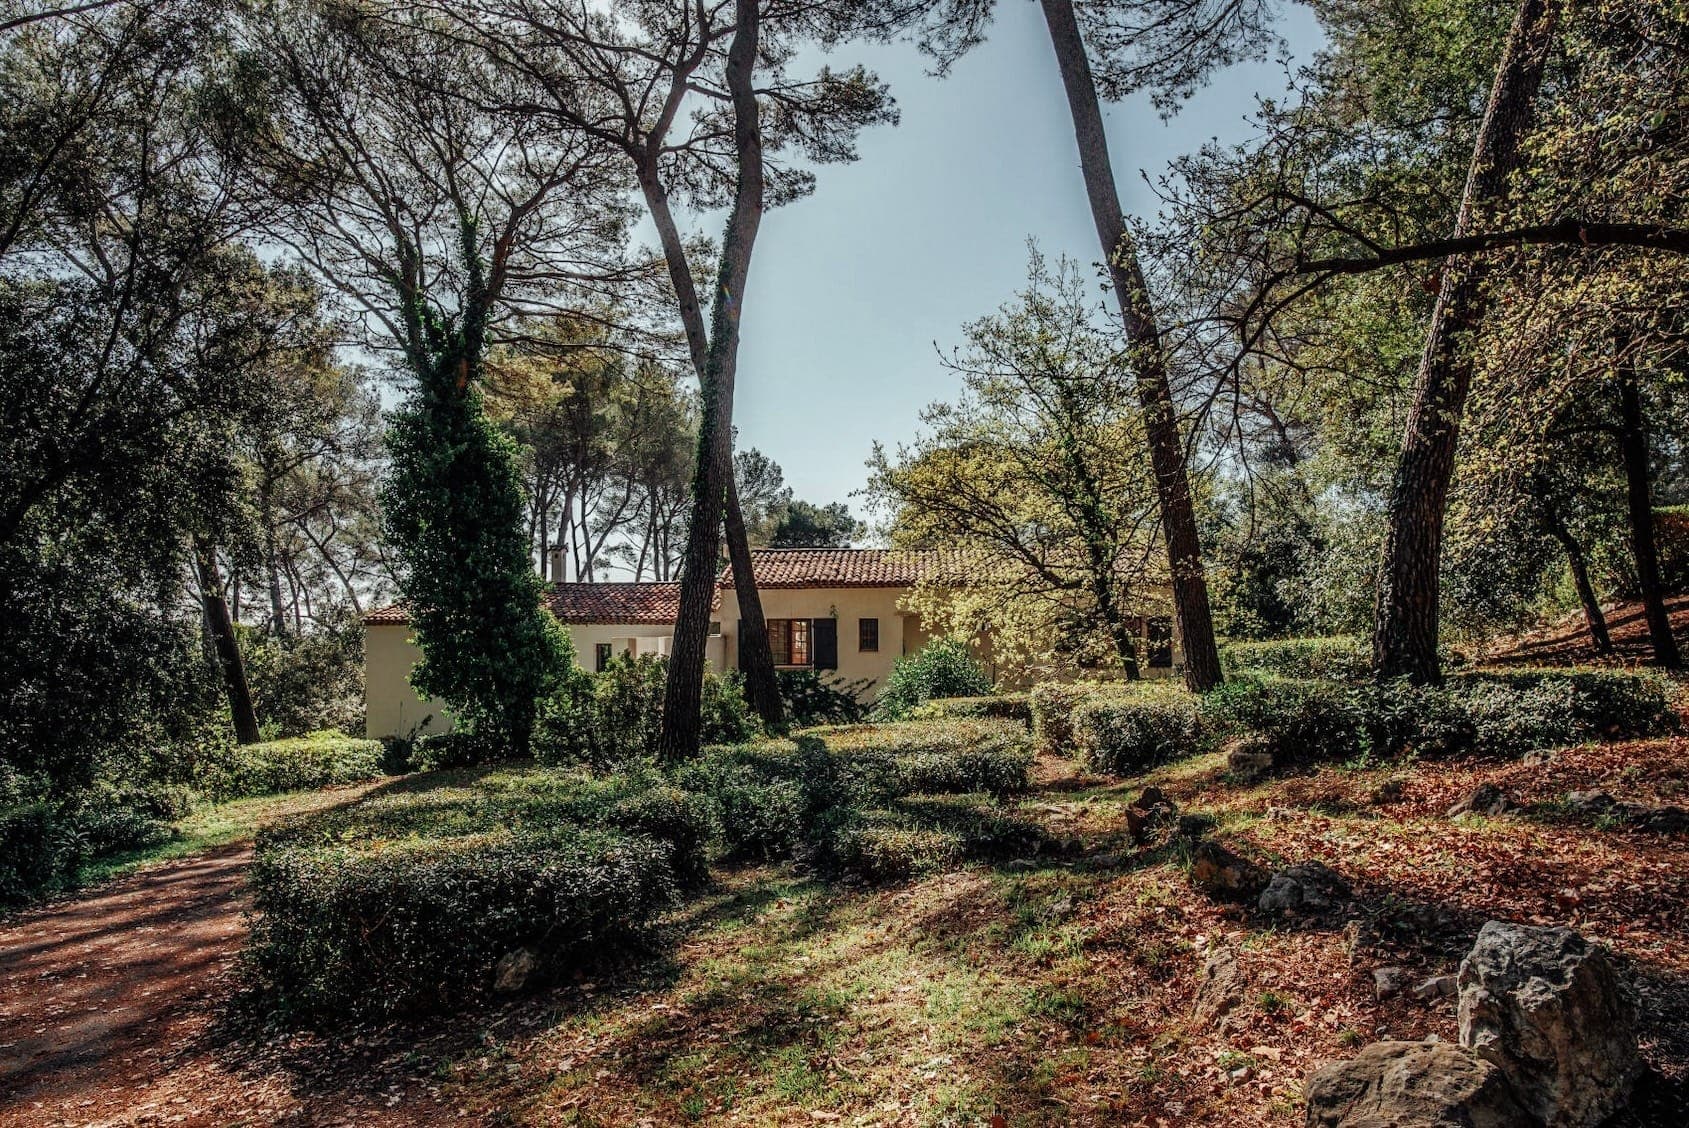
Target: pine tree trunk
[[1639, 506], [1149, 362], [762, 686], [1575, 560], [713, 473], [223, 642], [278, 620], [1407, 609]]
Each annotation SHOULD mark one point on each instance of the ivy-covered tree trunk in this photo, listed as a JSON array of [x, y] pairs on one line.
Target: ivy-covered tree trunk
[[762, 687], [1149, 363], [1639, 510], [224, 644], [1407, 609], [713, 473], [454, 511]]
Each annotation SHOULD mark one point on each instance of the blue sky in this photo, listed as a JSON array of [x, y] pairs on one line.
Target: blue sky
[[850, 288]]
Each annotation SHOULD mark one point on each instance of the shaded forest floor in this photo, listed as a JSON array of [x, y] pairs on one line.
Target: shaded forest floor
[[1567, 641], [1053, 990]]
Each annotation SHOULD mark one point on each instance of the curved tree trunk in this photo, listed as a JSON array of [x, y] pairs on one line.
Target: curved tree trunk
[[713, 473], [762, 687], [223, 642], [1639, 507], [1149, 362], [1406, 613], [1575, 559]]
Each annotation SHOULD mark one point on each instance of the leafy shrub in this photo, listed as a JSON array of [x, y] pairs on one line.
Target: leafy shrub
[[913, 837], [459, 748], [306, 682], [615, 717], [419, 923], [1601, 702], [811, 698], [877, 852], [1302, 718], [294, 764], [1007, 706], [35, 857], [944, 667], [1338, 658], [683, 819], [1126, 734], [939, 756]]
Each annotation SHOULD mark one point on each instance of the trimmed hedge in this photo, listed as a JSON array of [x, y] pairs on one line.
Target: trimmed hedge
[[1007, 707], [1601, 702], [1127, 734], [294, 764], [940, 756], [419, 923], [1339, 658]]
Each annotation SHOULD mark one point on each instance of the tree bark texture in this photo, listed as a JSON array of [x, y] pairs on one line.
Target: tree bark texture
[[223, 642], [1579, 564], [713, 473], [1639, 508], [1407, 608], [762, 687], [1149, 362]]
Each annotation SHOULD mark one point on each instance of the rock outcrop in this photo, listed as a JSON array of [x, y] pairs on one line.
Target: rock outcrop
[[1544, 1006], [1414, 1085], [1306, 889]]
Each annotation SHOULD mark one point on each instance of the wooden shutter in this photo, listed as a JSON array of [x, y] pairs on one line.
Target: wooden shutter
[[824, 643]]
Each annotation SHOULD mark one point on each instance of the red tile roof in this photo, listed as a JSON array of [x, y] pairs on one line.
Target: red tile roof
[[585, 603], [775, 568], [834, 567]]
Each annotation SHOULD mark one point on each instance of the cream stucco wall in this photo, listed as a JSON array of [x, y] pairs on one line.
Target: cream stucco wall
[[391, 706], [899, 633]]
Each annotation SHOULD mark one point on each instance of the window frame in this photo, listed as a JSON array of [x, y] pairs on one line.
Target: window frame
[[602, 653], [868, 635], [787, 638]]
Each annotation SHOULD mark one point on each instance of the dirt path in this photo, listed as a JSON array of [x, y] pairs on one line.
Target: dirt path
[[113, 1012]]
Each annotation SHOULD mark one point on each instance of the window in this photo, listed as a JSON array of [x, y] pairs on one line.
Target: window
[[867, 634], [1158, 642], [789, 640], [601, 656]]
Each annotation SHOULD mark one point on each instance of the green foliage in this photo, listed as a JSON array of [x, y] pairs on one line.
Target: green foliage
[[1302, 718], [306, 682], [1340, 658], [944, 667], [813, 698], [936, 756], [35, 857], [292, 764], [443, 751], [1129, 733], [454, 513], [1006, 706], [614, 717], [1055, 705], [420, 923], [1599, 702]]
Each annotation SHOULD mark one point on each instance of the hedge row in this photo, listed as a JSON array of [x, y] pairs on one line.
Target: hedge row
[[294, 764], [1005, 706]]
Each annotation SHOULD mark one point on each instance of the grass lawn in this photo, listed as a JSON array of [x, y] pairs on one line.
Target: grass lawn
[[211, 825]]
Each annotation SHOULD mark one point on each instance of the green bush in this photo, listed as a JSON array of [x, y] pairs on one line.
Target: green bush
[[1007, 707], [937, 756], [1601, 702], [615, 717], [1127, 734], [944, 667], [459, 748], [812, 698], [912, 837], [877, 852], [685, 820], [306, 682], [295, 764], [35, 856], [1339, 658], [1302, 718], [1055, 706], [419, 923]]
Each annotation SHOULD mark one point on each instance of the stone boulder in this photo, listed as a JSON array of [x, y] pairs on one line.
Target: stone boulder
[[1544, 1006], [1486, 799], [514, 970], [1250, 758], [1224, 875], [1306, 889], [1414, 1085], [1221, 988]]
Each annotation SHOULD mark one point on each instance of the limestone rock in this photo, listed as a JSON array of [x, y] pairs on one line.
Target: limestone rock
[[1306, 889], [1437, 987], [1486, 799], [1222, 874], [1221, 988], [1413, 1085], [1388, 981], [1544, 1006], [1250, 758], [513, 971], [1591, 804]]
